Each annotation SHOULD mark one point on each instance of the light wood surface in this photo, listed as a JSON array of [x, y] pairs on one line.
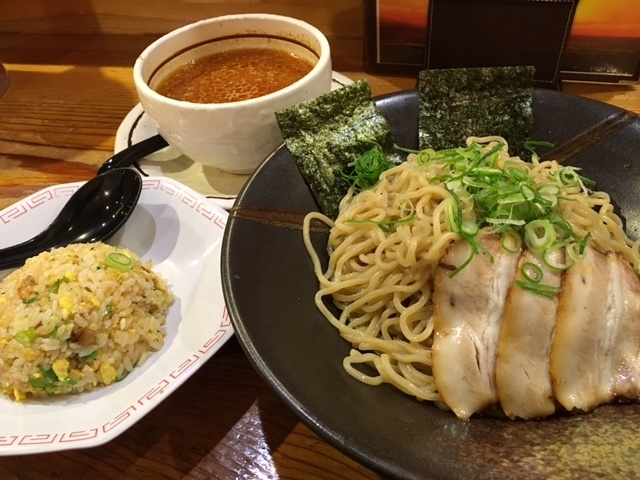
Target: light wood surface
[[69, 65]]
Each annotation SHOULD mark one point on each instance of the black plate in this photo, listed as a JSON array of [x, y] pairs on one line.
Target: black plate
[[269, 284]]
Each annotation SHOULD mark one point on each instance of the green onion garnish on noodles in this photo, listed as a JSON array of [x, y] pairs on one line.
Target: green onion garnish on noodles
[[531, 145], [583, 244], [508, 200], [468, 230], [531, 272], [539, 235], [550, 262], [119, 261], [510, 233], [386, 226], [546, 291], [505, 198], [367, 169]]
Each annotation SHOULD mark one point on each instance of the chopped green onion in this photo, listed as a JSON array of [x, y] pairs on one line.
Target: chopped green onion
[[92, 356], [451, 218], [474, 252], [124, 375], [44, 379], [561, 224], [514, 198], [546, 291], [549, 189], [32, 299], [531, 272], [587, 181], [577, 250], [509, 201], [119, 261], [549, 261], [456, 215], [527, 192], [54, 333], [568, 176], [469, 228], [367, 169], [531, 145], [425, 156], [573, 251], [510, 167], [487, 171], [510, 233], [550, 200], [25, 337], [496, 148], [505, 221], [583, 244], [386, 226], [454, 185], [53, 288], [539, 234]]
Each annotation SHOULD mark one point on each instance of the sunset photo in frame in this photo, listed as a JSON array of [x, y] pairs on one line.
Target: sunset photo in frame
[[603, 44]]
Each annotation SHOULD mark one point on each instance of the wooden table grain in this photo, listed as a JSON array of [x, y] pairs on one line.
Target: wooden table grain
[[58, 119]]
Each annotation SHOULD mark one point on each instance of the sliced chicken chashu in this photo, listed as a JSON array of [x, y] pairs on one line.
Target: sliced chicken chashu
[[523, 382], [624, 294], [583, 340], [468, 312]]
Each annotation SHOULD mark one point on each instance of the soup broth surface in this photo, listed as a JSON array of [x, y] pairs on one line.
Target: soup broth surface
[[234, 75]]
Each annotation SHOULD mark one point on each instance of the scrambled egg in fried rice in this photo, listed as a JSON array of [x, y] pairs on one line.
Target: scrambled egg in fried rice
[[78, 317]]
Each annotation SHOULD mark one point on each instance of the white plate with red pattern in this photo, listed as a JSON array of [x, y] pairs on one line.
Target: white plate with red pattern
[[180, 231]]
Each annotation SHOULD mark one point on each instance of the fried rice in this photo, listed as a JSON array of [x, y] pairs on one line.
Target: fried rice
[[78, 317]]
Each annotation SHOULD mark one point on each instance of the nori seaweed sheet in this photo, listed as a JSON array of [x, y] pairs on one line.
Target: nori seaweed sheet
[[461, 102], [329, 132]]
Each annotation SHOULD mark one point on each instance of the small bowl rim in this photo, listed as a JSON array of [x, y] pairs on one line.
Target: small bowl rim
[[323, 63]]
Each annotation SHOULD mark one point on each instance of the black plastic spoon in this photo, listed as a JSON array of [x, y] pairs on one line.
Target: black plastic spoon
[[133, 153], [93, 213]]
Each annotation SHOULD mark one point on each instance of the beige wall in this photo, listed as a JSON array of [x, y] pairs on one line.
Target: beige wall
[[336, 18]]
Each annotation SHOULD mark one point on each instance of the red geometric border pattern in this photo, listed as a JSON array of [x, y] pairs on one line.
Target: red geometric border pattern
[[79, 436], [38, 199], [202, 207], [121, 417], [155, 394], [38, 439], [7, 440]]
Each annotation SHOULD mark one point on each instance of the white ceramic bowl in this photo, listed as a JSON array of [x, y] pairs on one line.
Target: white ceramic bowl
[[236, 136]]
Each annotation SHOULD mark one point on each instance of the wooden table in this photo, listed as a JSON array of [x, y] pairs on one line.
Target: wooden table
[[58, 119]]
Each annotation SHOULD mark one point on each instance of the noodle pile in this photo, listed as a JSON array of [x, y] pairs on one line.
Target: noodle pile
[[384, 249]]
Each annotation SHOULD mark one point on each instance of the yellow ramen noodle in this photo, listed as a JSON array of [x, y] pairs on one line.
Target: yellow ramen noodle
[[382, 279]]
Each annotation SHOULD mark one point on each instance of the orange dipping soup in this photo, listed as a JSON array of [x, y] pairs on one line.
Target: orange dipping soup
[[234, 75]]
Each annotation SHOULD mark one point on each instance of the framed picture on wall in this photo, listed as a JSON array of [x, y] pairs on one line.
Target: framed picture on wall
[[602, 42]]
